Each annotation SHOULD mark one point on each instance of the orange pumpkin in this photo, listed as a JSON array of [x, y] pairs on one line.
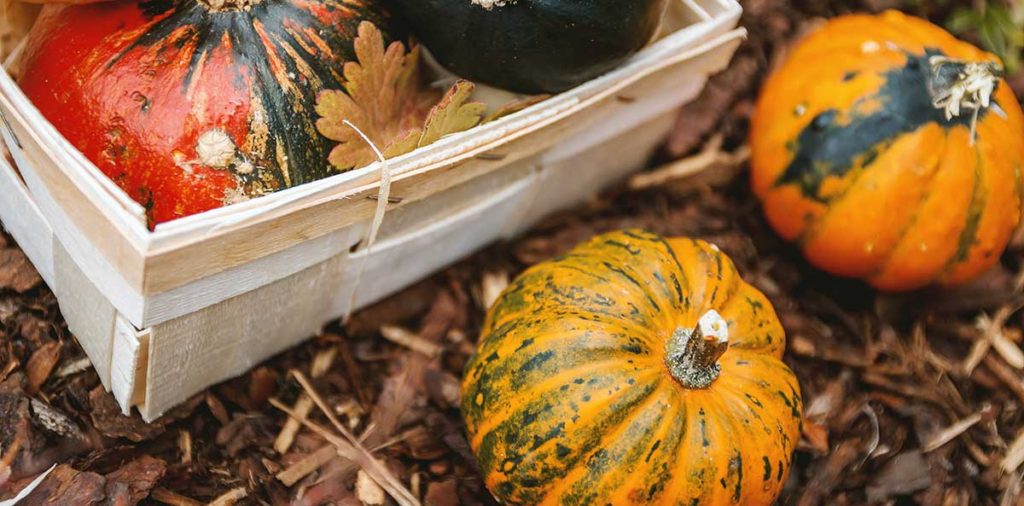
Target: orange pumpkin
[[633, 370], [890, 151]]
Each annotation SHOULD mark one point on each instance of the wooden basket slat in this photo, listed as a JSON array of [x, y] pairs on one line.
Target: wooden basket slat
[[190, 353], [89, 314], [32, 231]]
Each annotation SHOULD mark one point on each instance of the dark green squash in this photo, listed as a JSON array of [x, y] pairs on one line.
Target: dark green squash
[[532, 46]]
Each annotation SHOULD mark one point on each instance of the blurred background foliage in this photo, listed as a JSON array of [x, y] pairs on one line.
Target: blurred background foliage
[[997, 25]]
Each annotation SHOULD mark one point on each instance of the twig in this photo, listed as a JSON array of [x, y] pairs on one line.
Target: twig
[[491, 286], [328, 412], [950, 433], [230, 497], [992, 331], [74, 367], [353, 449], [344, 448], [167, 497], [710, 156], [878, 380], [307, 465], [875, 432], [185, 445], [978, 351], [286, 437], [1011, 495], [318, 459], [322, 363], [1014, 455], [1006, 374], [411, 340], [361, 456]]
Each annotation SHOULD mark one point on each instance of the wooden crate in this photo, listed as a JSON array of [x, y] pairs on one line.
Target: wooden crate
[[166, 313]]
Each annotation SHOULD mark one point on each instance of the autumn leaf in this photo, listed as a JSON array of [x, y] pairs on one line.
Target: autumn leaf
[[515, 106], [383, 100], [452, 114], [380, 98]]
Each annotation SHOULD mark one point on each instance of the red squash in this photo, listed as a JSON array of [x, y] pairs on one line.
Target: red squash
[[189, 105]]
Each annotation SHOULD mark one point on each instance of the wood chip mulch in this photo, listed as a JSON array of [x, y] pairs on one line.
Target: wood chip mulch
[[910, 399]]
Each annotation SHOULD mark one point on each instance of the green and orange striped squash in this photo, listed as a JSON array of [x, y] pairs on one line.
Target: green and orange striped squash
[[863, 152], [190, 105], [632, 370]]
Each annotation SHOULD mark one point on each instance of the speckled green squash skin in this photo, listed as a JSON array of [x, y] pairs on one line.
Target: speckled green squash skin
[[568, 399]]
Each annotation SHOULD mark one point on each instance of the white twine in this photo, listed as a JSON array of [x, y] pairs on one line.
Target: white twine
[[378, 216], [263, 210]]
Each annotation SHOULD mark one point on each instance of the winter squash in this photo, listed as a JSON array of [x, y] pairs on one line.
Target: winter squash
[[632, 370], [192, 104], [532, 46], [890, 151]]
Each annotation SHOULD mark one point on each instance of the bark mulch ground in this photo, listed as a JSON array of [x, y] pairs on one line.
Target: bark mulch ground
[[910, 399]]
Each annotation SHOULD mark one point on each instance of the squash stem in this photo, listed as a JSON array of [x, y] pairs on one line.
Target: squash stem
[[691, 355], [228, 5], [956, 86], [490, 4]]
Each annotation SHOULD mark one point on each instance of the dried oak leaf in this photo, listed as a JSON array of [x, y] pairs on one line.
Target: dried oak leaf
[[382, 98], [454, 113], [515, 106]]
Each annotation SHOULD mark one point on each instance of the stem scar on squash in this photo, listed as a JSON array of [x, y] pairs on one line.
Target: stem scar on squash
[[691, 355], [957, 85], [490, 4]]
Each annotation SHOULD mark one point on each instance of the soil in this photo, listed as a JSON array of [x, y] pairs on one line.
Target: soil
[[910, 399]]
